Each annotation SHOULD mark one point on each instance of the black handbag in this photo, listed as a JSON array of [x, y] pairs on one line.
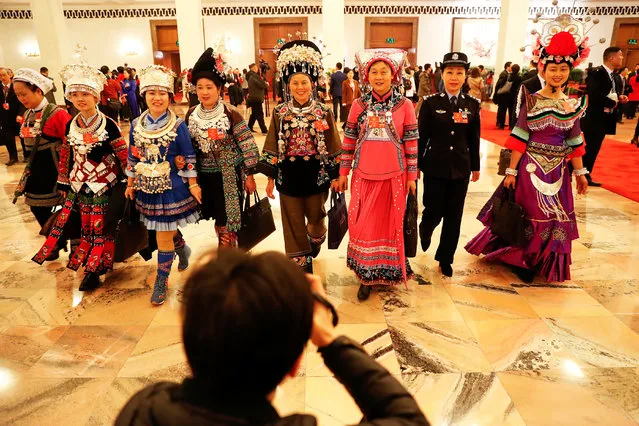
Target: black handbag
[[504, 161], [130, 235], [115, 104], [257, 222], [509, 220], [410, 225], [337, 220]]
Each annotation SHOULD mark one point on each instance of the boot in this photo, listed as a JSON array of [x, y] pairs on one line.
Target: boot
[[524, 274], [90, 282], [183, 254], [159, 290], [364, 292], [55, 253]]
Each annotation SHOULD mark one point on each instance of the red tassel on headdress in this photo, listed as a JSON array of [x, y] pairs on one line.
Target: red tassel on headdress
[[562, 44]]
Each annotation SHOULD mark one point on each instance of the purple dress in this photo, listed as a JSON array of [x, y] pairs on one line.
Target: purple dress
[[548, 134]]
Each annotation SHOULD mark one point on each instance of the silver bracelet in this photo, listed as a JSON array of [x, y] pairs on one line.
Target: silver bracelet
[[511, 172], [581, 172]]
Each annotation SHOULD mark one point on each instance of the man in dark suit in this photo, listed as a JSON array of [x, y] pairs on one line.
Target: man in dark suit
[[501, 99], [9, 105], [449, 130], [532, 71], [604, 97], [337, 78]]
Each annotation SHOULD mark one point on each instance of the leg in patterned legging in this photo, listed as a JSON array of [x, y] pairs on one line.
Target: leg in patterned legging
[[182, 250], [166, 254], [225, 237]]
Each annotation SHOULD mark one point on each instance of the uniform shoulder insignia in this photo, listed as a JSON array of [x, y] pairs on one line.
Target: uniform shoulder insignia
[[442, 94], [474, 98]]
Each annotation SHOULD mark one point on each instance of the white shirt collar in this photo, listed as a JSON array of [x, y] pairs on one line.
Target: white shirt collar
[[42, 105], [608, 69]]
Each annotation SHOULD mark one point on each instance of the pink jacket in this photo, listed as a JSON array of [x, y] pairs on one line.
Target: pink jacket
[[381, 155]]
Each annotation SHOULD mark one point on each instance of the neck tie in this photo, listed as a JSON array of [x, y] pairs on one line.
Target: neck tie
[[6, 91], [453, 101]]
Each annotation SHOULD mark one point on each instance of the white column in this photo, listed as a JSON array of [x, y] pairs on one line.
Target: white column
[[513, 24], [190, 31], [333, 34], [53, 39]]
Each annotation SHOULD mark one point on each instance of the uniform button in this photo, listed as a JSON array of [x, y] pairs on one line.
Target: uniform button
[[452, 132], [451, 148]]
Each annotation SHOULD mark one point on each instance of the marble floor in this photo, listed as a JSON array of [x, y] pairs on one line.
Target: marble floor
[[481, 348]]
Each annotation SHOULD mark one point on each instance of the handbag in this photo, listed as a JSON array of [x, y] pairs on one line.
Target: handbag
[[509, 220], [130, 235], [504, 161], [505, 88], [257, 222], [114, 104], [337, 220], [410, 226]]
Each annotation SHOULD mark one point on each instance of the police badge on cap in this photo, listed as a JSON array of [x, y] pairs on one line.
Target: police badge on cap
[[455, 59]]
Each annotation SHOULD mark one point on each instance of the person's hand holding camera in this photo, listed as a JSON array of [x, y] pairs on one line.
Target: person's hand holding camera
[[323, 332]]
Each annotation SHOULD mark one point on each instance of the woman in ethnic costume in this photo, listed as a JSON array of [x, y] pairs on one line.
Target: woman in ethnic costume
[[226, 152], [92, 161], [380, 146], [546, 136], [43, 130], [301, 153], [166, 198]]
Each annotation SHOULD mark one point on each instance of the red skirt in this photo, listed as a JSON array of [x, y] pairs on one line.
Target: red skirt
[[376, 231]]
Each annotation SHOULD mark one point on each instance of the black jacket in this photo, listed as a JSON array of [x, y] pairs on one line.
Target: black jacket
[[530, 74], [257, 87], [378, 394], [533, 84], [598, 86], [448, 149], [8, 117]]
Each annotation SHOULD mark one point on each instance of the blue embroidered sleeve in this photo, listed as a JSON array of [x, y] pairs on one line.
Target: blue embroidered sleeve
[[185, 149]]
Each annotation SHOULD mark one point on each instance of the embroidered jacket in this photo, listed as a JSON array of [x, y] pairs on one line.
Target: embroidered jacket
[[96, 159], [538, 114], [380, 139], [236, 141], [302, 149]]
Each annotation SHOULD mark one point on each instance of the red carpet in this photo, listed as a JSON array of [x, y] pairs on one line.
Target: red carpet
[[617, 165]]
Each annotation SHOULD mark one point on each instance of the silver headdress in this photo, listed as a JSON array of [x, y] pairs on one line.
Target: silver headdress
[[156, 77], [82, 78]]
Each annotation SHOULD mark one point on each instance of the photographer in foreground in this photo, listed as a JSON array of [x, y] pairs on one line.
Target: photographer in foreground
[[246, 322]]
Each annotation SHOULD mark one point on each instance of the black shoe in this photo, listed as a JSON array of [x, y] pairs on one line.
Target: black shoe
[[364, 292], [593, 183], [90, 282], [447, 269], [11, 162], [525, 275]]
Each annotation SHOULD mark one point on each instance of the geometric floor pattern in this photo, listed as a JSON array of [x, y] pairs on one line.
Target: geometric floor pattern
[[480, 348]]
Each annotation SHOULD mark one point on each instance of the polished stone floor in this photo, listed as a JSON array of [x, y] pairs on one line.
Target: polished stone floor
[[480, 348]]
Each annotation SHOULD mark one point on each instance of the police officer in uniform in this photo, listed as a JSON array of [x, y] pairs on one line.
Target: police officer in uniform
[[448, 156]]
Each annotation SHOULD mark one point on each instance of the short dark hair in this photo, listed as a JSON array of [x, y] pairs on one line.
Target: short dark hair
[[104, 69], [247, 320], [516, 68], [427, 66], [420, 67], [507, 64], [347, 70], [610, 51], [252, 65], [338, 66], [44, 69], [481, 67], [120, 69]]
